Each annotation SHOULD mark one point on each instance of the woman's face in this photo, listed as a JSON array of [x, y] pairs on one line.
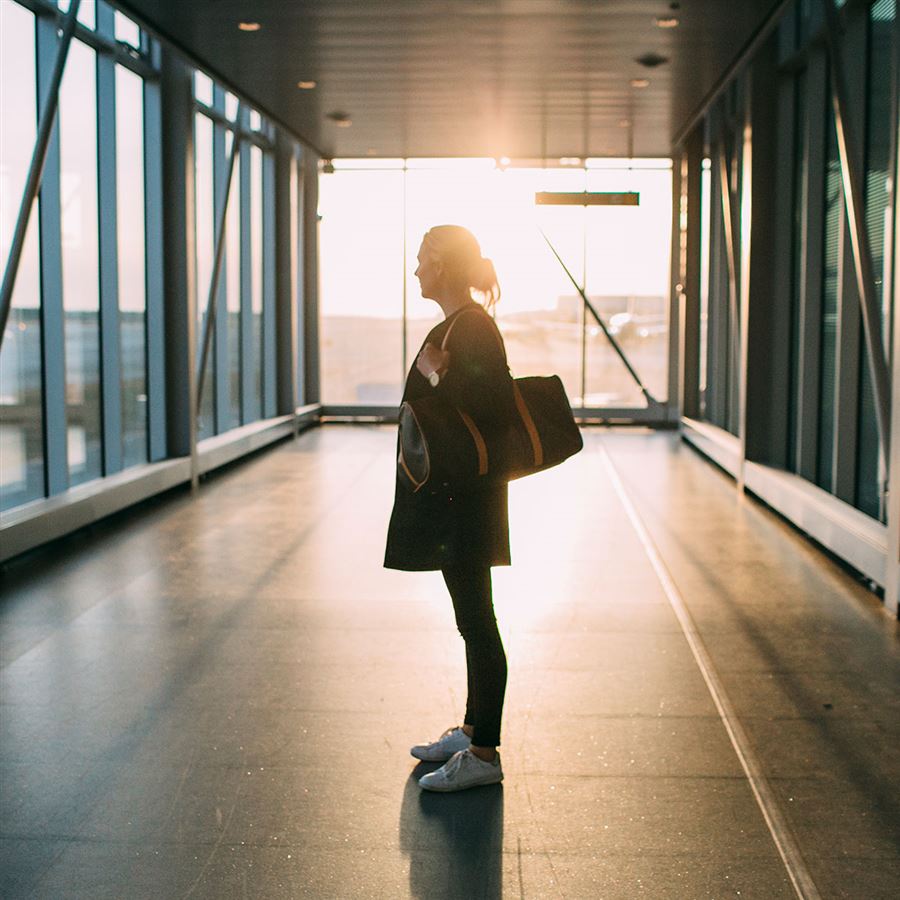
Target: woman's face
[[428, 272]]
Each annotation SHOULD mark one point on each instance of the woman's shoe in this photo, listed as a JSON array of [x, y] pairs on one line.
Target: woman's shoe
[[463, 770], [444, 747]]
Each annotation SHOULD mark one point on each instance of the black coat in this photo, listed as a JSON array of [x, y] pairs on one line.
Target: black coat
[[428, 531]]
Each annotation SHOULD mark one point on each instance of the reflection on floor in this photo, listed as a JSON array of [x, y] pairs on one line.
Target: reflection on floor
[[215, 696]]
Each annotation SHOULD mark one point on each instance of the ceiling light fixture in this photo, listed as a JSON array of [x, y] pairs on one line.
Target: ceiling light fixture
[[624, 123], [306, 85], [249, 26], [666, 22], [570, 160], [640, 82]]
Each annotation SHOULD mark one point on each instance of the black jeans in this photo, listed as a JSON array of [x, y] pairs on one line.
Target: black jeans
[[473, 604]]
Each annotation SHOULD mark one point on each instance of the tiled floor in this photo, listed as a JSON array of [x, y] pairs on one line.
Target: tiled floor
[[215, 696]]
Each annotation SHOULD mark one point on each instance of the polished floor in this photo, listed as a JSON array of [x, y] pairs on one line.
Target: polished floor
[[215, 696]]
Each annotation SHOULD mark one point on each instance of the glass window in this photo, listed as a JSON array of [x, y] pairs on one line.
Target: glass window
[[231, 106], [232, 275], [256, 279], [127, 31], [81, 298], [131, 251], [706, 200], [87, 12], [361, 252], [834, 207], [205, 244], [21, 406], [203, 88], [627, 273], [877, 213], [798, 261]]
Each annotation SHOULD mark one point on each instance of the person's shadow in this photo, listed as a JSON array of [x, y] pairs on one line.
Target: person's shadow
[[454, 841]]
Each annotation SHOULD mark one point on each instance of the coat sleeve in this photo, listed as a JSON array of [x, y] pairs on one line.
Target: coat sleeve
[[477, 379]]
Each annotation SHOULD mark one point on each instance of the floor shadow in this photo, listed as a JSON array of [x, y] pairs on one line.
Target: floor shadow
[[454, 841]]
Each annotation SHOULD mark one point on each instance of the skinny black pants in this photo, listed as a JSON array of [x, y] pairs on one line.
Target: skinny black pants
[[473, 604]]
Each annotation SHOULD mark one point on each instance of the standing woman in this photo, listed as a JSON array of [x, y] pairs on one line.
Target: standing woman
[[461, 534]]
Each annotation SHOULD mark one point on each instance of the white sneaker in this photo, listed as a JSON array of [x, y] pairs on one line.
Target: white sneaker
[[444, 747], [463, 770]]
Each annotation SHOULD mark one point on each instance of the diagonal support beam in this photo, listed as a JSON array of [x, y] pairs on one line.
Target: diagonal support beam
[[848, 150], [36, 168], [651, 400], [209, 317]]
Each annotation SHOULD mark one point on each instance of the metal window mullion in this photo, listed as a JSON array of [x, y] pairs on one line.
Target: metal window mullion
[[220, 372], [52, 310], [850, 156], [110, 341], [248, 353], [270, 357], [153, 273], [811, 272]]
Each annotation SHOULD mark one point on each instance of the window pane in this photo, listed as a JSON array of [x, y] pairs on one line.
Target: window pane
[[21, 431], [833, 216], [81, 299], [87, 12], [231, 105], [878, 211], [132, 292], [362, 302], [627, 269], [203, 181], [127, 31], [233, 291], [203, 88], [256, 276]]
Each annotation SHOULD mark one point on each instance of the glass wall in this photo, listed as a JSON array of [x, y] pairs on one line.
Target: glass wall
[[239, 376], [376, 215], [21, 377], [822, 379]]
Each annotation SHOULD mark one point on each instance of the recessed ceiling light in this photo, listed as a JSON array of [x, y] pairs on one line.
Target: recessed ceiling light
[[249, 26], [306, 85], [570, 160], [640, 82], [666, 22], [370, 152], [624, 123], [344, 123]]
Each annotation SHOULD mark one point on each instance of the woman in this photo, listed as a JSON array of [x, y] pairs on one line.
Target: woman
[[461, 534]]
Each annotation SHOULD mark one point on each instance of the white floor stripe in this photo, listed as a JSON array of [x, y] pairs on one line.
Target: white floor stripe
[[765, 797]]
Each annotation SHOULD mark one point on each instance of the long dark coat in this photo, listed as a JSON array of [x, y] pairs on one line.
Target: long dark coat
[[428, 531]]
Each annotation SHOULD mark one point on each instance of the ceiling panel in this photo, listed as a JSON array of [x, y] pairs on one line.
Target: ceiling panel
[[517, 78]]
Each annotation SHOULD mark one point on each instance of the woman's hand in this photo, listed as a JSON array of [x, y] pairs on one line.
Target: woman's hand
[[432, 359]]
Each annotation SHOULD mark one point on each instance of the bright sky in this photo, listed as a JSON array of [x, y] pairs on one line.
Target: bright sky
[[625, 249]]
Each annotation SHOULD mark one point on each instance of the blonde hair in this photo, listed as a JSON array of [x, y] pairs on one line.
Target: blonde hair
[[458, 251]]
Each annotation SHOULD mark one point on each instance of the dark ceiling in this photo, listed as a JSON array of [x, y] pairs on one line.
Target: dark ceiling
[[527, 79]]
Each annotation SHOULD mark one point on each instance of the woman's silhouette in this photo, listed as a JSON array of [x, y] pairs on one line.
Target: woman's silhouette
[[461, 533]]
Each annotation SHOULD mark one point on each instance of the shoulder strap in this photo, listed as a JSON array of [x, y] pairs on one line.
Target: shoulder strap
[[493, 325]]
